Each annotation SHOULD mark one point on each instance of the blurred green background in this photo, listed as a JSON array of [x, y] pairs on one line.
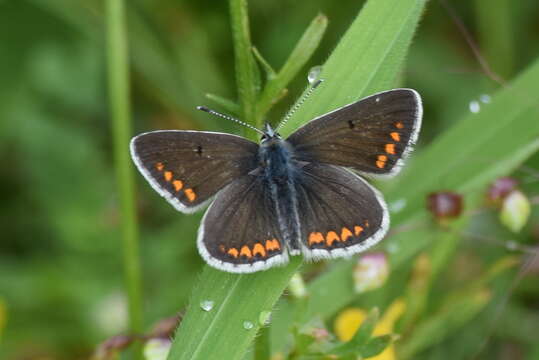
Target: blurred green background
[[61, 283]]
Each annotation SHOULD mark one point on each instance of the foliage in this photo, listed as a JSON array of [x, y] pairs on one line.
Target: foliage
[[467, 287]]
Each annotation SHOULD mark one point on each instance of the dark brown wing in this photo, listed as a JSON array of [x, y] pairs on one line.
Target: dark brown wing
[[240, 231], [372, 135], [189, 167], [340, 214]]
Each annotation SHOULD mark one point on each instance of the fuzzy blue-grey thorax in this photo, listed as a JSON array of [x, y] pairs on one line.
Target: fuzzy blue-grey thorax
[[275, 155]]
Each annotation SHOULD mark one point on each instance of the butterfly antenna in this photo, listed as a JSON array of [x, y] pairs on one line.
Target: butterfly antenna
[[299, 103], [228, 117]]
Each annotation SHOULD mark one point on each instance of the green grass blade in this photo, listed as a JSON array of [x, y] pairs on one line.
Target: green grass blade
[[246, 71], [495, 25], [300, 55], [118, 76], [224, 332], [219, 334], [364, 62], [229, 106]]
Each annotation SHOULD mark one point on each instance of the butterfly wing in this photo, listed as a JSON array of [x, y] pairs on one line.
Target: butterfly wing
[[188, 167], [243, 234], [372, 135], [340, 214]]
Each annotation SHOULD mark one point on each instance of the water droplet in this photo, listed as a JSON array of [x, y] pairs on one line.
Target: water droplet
[[247, 325], [484, 98], [474, 106], [392, 247], [397, 205], [206, 305], [264, 318], [314, 73]]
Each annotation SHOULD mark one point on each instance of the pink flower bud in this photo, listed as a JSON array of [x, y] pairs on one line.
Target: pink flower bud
[[370, 272]]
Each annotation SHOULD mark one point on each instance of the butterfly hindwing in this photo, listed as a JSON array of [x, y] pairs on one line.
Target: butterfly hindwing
[[189, 167], [371, 136], [239, 232], [340, 214]]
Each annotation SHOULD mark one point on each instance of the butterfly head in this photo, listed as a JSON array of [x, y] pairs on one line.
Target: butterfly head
[[269, 134]]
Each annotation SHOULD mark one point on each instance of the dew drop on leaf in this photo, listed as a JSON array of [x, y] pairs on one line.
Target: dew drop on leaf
[[397, 205], [474, 106], [206, 305], [264, 318], [247, 325], [314, 73], [484, 98]]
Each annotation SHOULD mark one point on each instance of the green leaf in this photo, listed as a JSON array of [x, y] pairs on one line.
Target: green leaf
[[376, 345], [225, 331], [361, 337], [270, 73], [228, 105], [364, 61], [364, 333], [303, 51]]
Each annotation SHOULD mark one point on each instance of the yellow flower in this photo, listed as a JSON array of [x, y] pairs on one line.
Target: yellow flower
[[348, 321]]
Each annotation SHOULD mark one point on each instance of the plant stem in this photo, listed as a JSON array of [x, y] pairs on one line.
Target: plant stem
[[118, 81], [262, 344], [246, 71]]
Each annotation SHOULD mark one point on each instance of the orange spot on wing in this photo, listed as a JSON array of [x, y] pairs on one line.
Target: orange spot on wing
[[259, 249], [381, 162], [390, 149], [168, 175], [222, 248], [246, 251], [178, 185], [331, 237], [315, 238], [395, 136], [367, 223], [272, 244], [345, 234], [357, 230], [159, 166], [233, 252], [399, 125], [191, 196]]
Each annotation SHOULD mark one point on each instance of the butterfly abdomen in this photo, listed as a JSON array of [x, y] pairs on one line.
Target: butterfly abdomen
[[280, 172]]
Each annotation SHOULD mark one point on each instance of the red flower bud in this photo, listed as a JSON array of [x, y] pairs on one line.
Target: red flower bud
[[444, 204], [500, 188]]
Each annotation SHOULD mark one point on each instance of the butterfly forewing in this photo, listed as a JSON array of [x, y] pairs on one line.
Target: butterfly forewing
[[189, 167], [239, 232], [371, 135], [340, 214]]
